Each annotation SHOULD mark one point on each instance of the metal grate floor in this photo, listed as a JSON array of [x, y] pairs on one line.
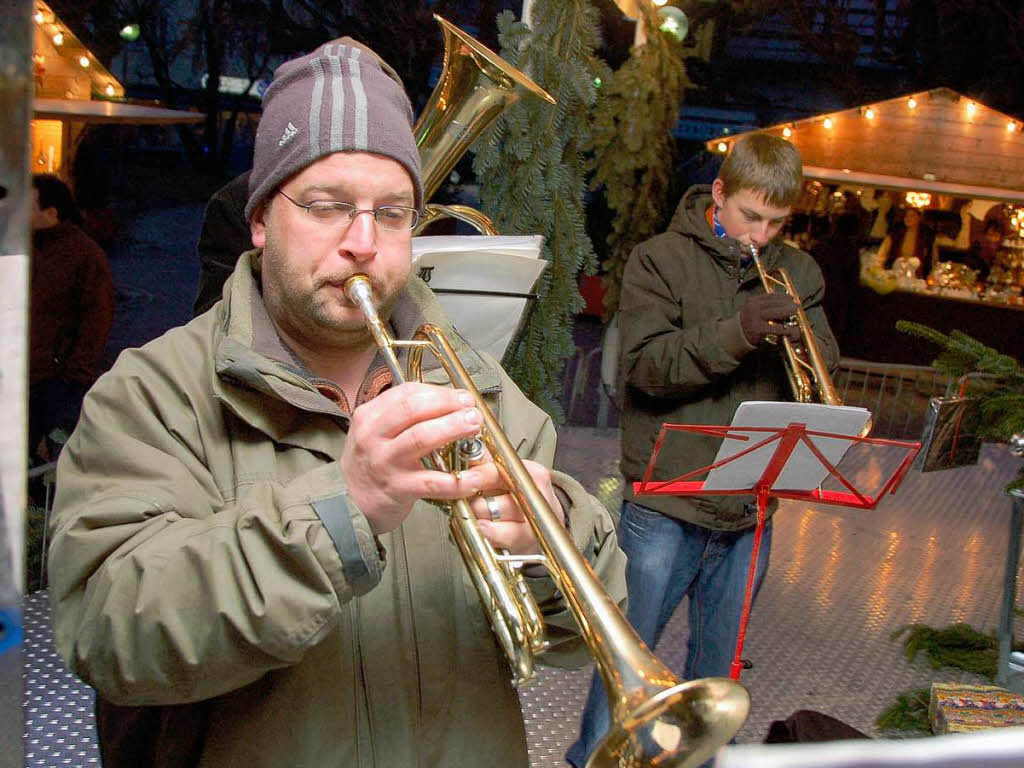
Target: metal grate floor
[[840, 583], [58, 707]]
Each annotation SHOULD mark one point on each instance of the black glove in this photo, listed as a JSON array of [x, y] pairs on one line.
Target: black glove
[[765, 314]]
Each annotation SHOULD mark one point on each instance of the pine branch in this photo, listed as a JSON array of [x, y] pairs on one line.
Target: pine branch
[[633, 150], [909, 713], [532, 176], [995, 379], [958, 645]]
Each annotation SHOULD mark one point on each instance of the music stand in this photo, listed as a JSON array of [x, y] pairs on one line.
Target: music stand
[[485, 284], [764, 462]]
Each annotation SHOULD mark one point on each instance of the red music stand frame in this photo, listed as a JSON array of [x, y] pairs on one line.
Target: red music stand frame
[[788, 438]]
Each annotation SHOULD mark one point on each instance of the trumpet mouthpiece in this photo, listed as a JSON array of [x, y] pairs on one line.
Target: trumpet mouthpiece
[[358, 289]]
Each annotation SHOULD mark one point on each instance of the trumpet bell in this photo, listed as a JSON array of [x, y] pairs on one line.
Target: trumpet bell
[[681, 726]]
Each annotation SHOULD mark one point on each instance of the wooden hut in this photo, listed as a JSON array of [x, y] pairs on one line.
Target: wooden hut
[[948, 156]]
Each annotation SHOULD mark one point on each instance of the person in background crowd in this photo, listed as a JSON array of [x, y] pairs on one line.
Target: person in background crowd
[[987, 249], [694, 322], [838, 257], [242, 563], [71, 311], [909, 246], [225, 235]]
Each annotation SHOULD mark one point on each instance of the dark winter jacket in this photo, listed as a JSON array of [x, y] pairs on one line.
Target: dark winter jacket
[[684, 358], [225, 235], [72, 305]]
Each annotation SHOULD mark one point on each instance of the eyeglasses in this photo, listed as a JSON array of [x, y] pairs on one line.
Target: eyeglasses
[[394, 218]]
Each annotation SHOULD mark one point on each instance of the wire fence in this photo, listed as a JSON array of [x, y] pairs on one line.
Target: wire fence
[[897, 395]]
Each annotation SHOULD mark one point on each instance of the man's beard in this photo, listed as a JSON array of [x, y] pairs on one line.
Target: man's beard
[[321, 315]]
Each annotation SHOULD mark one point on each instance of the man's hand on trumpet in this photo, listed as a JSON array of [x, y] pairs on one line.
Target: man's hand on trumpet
[[498, 513], [382, 460], [387, 440]]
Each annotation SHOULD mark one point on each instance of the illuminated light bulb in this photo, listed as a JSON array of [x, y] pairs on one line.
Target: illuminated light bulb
[[110, 89], [828, 123], [912, 102], [869, 113], [39, 18], [58, 39], [972, 109], [84, 61], [130, 32], [1011, 127], [787, 131], [722, 146], [660, 3]]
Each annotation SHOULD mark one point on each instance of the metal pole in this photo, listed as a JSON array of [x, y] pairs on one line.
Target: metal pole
[[16, 89], [1006, 613], [527, 15]]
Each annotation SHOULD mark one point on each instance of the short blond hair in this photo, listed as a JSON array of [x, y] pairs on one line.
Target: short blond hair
[[765, 164]]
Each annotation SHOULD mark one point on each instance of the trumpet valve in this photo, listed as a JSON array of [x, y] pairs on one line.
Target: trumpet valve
[[467, 453]]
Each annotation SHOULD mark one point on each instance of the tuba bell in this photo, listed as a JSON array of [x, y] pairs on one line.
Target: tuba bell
[[475, 87]]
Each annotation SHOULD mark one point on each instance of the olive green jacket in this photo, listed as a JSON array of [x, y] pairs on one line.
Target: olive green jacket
[[214, 583], [684, 359]]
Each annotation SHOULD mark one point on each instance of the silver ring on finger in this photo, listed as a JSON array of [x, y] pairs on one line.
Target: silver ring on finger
[[493, 508]]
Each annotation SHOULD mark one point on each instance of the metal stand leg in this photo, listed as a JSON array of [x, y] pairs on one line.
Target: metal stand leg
[[46, 527], [1006, 613]]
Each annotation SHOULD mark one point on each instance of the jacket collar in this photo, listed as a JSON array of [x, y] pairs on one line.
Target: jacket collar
[[691, 220], [267, 386], [45, 238]]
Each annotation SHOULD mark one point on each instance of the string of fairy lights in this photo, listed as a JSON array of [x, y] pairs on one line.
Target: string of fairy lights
[[63, 39], [972, 110], [1016, 213]]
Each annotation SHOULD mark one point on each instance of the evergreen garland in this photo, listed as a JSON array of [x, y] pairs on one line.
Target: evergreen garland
[[532, 173], [909, 713], [633, 146], [1000, 389], [958, 645]]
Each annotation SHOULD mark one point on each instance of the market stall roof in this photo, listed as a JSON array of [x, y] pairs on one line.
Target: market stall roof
[[109, 112], [934, 141], [58, 51]]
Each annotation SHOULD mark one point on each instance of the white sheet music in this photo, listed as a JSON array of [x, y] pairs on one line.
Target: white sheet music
[[803, 471], [498, 264]]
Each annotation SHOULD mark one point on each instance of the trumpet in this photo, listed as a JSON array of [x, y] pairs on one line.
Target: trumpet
[[803, 359], [656, 719]]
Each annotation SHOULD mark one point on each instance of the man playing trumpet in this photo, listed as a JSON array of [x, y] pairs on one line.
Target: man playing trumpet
[[242, 565], [695, 322]]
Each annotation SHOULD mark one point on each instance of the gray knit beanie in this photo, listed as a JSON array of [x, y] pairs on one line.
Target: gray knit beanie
[[341, 97]]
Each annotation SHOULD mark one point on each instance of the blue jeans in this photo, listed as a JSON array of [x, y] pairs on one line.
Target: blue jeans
[[668, 559]]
